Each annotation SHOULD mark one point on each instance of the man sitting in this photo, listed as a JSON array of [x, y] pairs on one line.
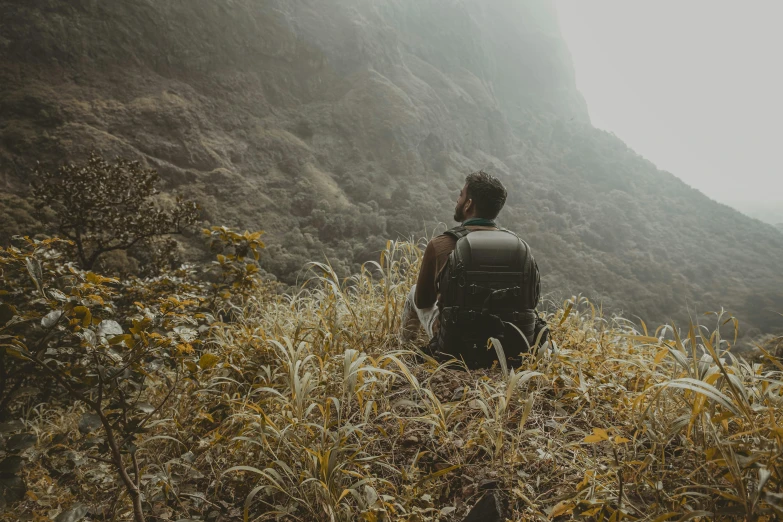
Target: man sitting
[[476, 281]]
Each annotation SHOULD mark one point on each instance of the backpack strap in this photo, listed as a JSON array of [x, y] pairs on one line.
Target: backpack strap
[[457, 232], [454, 261]]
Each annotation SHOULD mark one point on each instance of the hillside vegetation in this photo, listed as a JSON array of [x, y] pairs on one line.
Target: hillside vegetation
[[305, 406], [334, 126]]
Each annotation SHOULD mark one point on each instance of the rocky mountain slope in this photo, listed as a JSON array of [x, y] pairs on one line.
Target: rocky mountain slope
[[336, 125]]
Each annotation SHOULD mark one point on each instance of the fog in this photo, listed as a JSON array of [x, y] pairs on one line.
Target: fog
[[695, 87]]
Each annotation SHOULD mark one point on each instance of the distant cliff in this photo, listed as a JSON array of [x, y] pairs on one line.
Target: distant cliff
[[334, 125]]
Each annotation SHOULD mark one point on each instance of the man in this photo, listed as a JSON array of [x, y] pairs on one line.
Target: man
[[512, 304]]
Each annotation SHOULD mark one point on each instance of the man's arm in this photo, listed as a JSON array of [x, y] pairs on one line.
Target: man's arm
[[426, 293]]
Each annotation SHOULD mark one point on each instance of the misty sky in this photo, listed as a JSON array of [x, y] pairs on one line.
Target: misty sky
[[694, 86]]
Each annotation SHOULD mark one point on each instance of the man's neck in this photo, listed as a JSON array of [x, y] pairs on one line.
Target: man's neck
[[479, 222]]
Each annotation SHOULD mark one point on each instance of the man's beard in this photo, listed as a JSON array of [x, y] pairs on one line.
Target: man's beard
[[459, 214]]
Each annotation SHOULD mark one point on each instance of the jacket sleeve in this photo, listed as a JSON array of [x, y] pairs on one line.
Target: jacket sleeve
[[426, 293]]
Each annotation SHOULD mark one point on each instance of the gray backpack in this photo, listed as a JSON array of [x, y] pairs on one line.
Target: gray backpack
[[489, 288]]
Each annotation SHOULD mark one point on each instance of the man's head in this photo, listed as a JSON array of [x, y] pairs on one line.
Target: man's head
[[483, 196]]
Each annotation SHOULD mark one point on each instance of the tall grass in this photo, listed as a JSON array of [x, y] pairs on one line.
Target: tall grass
[[317, 412]]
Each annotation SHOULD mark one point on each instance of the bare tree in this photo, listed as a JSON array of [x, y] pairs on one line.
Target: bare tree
[[103, 207]]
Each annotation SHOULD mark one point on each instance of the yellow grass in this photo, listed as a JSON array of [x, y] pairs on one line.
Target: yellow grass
[[316, 412]]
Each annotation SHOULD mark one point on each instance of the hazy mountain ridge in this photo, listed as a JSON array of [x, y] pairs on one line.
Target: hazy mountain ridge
[[336, 127], [769, 212]]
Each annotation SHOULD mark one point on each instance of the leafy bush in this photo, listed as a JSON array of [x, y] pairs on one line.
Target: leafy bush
[[117, 348], [64, 337]]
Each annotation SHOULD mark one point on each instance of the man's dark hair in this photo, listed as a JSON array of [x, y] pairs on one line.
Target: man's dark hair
[[487, 193]]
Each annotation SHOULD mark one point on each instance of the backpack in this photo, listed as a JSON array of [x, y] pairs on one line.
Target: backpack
[[488, 288]]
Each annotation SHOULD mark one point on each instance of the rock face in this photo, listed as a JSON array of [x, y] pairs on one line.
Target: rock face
[[335, 125]]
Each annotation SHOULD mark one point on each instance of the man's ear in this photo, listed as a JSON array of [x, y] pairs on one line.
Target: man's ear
[[468, 206]]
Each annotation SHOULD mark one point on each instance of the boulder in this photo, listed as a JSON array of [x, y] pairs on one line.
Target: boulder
[[493, 507]]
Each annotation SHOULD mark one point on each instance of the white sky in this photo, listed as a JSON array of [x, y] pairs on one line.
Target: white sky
[[695, 86]]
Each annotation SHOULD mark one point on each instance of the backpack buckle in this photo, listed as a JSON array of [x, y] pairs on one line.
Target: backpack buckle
[[517, 291], [454, 314], [472, 315], [516, 316], [473, 289]]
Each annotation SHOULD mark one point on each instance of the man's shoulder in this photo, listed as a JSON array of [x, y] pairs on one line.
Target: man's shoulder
[[442, 240]]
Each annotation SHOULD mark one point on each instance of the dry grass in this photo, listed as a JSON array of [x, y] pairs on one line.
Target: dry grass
[[315, 411]]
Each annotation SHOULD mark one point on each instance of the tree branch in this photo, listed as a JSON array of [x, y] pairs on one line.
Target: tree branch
[[153, 412], [100, 459], [62, 382], [124, 246]]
